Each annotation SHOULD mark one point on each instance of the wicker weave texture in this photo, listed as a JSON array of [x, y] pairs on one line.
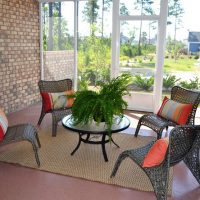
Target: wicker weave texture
[[52, 87], [158, 124], [23, 132], [184, 145]]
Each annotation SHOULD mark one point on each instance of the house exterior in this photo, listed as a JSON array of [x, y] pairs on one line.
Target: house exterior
[[194, 42]]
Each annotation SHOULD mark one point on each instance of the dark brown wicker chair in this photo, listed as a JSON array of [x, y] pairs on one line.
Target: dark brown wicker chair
[[23, 132], [184, 145], [53, 87], [158, 124]]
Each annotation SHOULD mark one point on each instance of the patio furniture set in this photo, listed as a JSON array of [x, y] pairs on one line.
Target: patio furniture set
[[183, 143]]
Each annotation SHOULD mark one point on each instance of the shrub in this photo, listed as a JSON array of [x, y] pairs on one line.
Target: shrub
[[151, 58], [169, 81], [124, 58], [191, 84], [143, 82], [83, 84]]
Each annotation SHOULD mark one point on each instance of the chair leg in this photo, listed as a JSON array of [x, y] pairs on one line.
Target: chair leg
[[36, 156], [159, 180], [41, 117], [37, 138], [54, 125], [193, 163], [35, 151], [161, 192], [121, 157], [138, 128]]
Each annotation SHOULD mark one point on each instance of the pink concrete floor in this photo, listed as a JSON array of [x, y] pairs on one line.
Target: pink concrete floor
[[20, 183]]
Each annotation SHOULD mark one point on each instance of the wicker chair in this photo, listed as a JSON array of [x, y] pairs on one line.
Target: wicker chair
[[53, 87], [23, 132], [158, 124], [184, 145]]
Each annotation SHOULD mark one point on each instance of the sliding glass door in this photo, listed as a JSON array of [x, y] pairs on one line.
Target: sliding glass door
[[138, 41], [137, 31]]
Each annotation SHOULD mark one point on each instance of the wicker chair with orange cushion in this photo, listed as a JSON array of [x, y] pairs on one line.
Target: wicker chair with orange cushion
[[18, 133], [179, 110], [55, 100], [156, 158]]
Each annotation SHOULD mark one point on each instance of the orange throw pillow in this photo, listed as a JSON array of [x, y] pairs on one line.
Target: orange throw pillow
[[174, 111], [156, 154]]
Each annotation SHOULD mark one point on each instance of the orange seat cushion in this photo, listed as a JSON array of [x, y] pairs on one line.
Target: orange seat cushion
[[157, 153]]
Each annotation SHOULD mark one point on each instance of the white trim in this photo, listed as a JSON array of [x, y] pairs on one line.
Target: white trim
[[162, 21], [41, 43], [139, 17], [160, 53], [194, 42], [48, 1], [75, 44], [115, 40]]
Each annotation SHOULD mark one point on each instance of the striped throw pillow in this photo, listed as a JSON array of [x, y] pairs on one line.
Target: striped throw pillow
[[58, 100], [174, 111], [3, 124]]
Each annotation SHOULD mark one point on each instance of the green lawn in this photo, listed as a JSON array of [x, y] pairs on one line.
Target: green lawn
[[184, 64], [170, 65]]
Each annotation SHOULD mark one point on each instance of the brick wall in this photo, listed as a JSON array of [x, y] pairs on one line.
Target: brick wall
[[58, 65], [19, 53], [20, 56]]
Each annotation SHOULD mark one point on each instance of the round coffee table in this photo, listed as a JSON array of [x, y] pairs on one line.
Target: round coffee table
[[88, 131]]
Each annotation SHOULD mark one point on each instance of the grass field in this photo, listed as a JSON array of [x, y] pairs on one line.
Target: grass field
[[185, 64]]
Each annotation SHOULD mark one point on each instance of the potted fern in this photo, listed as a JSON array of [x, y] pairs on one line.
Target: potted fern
[[102, 105]]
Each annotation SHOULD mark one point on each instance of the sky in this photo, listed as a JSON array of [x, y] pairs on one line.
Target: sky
[[190, 18]]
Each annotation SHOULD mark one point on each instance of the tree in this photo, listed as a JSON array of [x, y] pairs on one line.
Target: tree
[[131, 36], [59, 24], [45, 16], [123, 11], [50, 36], [151, 26], [55, 29], [174, 51], [105, 7], [91, 13], [175, 11], [145, 8], [144, 38], [94, 59]]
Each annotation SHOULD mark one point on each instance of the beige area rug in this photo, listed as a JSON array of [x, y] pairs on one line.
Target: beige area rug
[[87, 163]]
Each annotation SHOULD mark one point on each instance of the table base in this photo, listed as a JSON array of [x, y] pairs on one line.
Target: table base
[[87, 140]]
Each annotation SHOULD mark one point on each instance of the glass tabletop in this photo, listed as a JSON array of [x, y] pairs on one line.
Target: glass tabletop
[[119, 124]]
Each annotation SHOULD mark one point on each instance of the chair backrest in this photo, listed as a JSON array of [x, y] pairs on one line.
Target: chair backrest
[[181, 141], [185, 96], [55, 86]]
